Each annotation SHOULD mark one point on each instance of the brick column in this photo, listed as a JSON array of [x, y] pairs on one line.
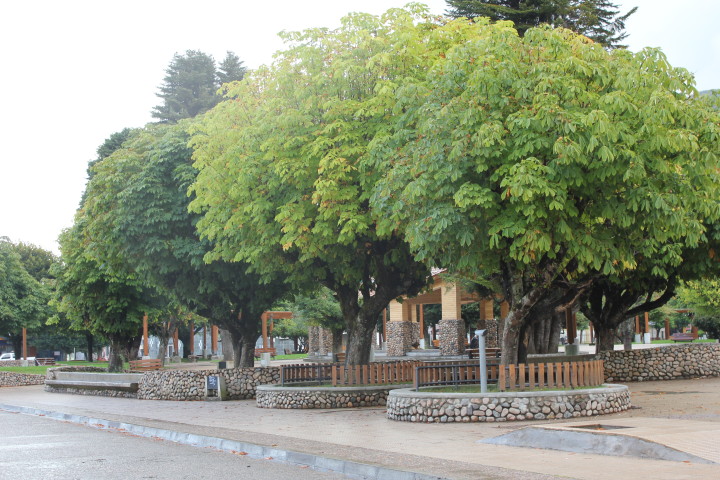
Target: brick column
[[452, 326]]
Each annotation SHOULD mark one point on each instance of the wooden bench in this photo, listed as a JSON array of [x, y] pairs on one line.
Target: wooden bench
[[260, 351], [491, 352], [145, 365], [44, 361], [682, 337]]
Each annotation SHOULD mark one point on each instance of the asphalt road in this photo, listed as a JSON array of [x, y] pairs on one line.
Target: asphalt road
[[39, 448]]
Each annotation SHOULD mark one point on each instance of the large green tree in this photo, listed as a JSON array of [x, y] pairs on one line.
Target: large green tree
[[138, 214], [284, 183], [94, 296], [599, 20], [23, 299], [545, 158]]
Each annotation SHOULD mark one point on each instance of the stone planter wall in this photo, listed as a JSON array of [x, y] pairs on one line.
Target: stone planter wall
[[16, 379], [277, 396], [15, 363], [190, 384], [407, 405], [671, 362]]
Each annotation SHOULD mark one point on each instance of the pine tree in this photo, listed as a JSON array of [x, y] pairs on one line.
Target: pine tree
[[599, 20], [189, 87], [231, 69]]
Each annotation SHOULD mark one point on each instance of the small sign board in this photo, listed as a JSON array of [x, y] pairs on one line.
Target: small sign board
[[213, 383]]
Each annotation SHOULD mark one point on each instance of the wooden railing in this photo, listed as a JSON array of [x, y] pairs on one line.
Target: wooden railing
[[453, 373], [565, 375], [306, 373], [374, 374]]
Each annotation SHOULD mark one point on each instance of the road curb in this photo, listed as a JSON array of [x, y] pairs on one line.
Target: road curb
[[316, 462]]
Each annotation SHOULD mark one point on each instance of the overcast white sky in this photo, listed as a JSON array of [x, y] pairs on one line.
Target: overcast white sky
[[77, 71]]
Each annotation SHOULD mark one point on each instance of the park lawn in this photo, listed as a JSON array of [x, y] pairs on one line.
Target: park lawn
[[42, 369]]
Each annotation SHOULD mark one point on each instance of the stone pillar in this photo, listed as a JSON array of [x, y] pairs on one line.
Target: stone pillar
[[452, 326], [313, 339], [399, 329], [326, 341], [492, 339]]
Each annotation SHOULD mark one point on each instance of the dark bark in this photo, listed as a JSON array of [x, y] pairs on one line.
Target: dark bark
[[227, 345], [337, 338], [115, 362], [607, 305], [90, 342]]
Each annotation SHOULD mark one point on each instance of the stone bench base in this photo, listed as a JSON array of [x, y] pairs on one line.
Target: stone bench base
[[123, 386]]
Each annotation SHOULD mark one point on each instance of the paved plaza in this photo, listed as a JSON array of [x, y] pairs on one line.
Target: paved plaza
[[682, 415]]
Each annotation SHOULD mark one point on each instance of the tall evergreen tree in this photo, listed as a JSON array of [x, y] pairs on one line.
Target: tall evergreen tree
[[599, 20], [231, 69], [189, 87]]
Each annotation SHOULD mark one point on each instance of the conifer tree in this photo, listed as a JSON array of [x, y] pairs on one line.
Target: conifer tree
[[599, 20]]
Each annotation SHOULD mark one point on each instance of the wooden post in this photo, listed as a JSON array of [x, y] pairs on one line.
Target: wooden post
[[422, 322], [570, 326], [384, 332], [146, 342], [667, 328], [271, 337], [637, 324], [176, 343], [647, 323], [24, 343], [214, 339], [264, 317], [192, 339]]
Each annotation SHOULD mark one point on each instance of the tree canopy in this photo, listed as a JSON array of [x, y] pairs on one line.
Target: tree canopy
[[546, 158], [599, 20], [137, 207], [282, 184]]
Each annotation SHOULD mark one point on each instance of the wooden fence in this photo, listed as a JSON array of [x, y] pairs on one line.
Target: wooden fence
[[306, 373], [565, 375], [374, 374]]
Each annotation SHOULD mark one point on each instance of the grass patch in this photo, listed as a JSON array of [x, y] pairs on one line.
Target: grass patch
[[293, 356], [709, 340], [42, 369]]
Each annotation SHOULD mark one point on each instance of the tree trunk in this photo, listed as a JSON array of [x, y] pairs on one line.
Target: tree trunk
[[247, 349], [627, 329], [359, 344], [90, 341], [604, 338], [115, 362], [337, 337], [227, 344]]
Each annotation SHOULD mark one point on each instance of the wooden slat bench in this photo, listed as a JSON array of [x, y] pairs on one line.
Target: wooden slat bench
[[145, 365], [260, 351], [682, 337], [44, 361]]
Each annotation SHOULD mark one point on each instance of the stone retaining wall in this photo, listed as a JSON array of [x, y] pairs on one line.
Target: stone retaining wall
[[277, 396], [190, 384], [407, 405], [16, 379], [670, 362], [15, 363]]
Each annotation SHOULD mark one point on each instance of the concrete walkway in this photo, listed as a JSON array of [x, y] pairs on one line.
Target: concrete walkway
[[682, 414]]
